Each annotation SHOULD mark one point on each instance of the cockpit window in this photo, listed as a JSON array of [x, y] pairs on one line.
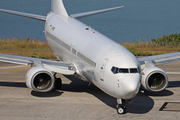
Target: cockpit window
[[133, 70], [123, 70], [116, 70]]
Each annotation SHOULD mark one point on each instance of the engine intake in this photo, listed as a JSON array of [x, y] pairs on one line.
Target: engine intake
[[40, 79], [154, 79]]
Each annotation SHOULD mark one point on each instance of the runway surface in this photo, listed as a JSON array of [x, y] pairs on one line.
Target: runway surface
[[79, 101]]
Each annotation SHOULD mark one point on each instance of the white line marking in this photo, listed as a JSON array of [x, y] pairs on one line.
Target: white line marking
[[173, 73]]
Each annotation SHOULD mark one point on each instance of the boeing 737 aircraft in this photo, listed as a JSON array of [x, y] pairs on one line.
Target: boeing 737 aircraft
[[84, 52]]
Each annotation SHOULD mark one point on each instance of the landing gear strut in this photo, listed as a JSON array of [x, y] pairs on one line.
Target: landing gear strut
[[121, 108], [58, 84]]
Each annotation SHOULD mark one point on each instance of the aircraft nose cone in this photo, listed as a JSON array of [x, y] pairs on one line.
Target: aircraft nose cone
[[130, 85]]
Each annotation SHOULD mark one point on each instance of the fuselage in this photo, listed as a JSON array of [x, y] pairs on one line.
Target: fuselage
[[97, 59]]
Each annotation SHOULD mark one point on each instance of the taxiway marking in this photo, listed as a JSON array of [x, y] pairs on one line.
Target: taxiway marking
[[14, 70]]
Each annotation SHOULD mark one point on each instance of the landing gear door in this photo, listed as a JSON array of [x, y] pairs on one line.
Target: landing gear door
[[103, 68]]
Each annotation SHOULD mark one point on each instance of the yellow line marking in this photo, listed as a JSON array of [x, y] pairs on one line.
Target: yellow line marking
[[60, 76], [20, 81], [14, 70]]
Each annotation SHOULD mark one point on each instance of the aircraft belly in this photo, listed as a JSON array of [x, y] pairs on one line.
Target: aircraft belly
[[57, 50]]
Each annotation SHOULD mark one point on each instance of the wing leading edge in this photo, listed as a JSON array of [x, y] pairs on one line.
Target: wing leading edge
[[33, 16], [52, 65], [160, 59], [87, 14], [77, 16]]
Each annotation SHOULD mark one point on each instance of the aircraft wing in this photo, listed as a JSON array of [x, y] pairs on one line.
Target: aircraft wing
[[160, 59], [86, 14], [43, 18], [52, 65], [33, 16]]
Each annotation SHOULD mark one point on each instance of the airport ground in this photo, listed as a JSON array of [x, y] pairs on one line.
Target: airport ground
[[80, 101]]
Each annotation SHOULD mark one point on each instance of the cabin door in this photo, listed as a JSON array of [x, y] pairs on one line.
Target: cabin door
[[103, 66]]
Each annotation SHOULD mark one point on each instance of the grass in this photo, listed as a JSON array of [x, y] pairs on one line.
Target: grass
[[164, 44], [27, 47], [150, 48], [36, 48]]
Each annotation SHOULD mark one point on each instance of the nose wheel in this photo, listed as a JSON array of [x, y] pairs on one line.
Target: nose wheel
[[121, 109]]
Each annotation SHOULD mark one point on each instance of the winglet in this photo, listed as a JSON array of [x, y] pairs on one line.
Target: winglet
[[57, 7]]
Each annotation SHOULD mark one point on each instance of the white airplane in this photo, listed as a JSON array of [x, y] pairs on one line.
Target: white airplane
[[93, 57]]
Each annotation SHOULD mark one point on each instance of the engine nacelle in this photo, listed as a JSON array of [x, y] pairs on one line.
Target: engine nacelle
[[154, 79], [40, 79]]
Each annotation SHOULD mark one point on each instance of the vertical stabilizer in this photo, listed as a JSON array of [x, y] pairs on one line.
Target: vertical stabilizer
[[57, 7]]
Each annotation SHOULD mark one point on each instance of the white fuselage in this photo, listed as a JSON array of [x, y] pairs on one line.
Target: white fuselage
[[95, 56]]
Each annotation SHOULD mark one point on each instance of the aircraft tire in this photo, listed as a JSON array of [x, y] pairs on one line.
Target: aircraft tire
[[121, 109]]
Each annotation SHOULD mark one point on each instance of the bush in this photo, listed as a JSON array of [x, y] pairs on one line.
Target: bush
[[172, 40]]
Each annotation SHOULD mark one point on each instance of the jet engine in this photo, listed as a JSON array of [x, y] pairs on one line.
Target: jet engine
[[154, 79], [40, 79]]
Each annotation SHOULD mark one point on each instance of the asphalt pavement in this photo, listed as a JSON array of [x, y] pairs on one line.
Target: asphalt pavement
[[80, 101]]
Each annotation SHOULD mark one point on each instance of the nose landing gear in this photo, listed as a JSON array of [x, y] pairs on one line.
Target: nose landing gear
[[121, 108]]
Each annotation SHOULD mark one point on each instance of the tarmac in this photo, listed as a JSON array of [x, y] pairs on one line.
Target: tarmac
[[80, 101]]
